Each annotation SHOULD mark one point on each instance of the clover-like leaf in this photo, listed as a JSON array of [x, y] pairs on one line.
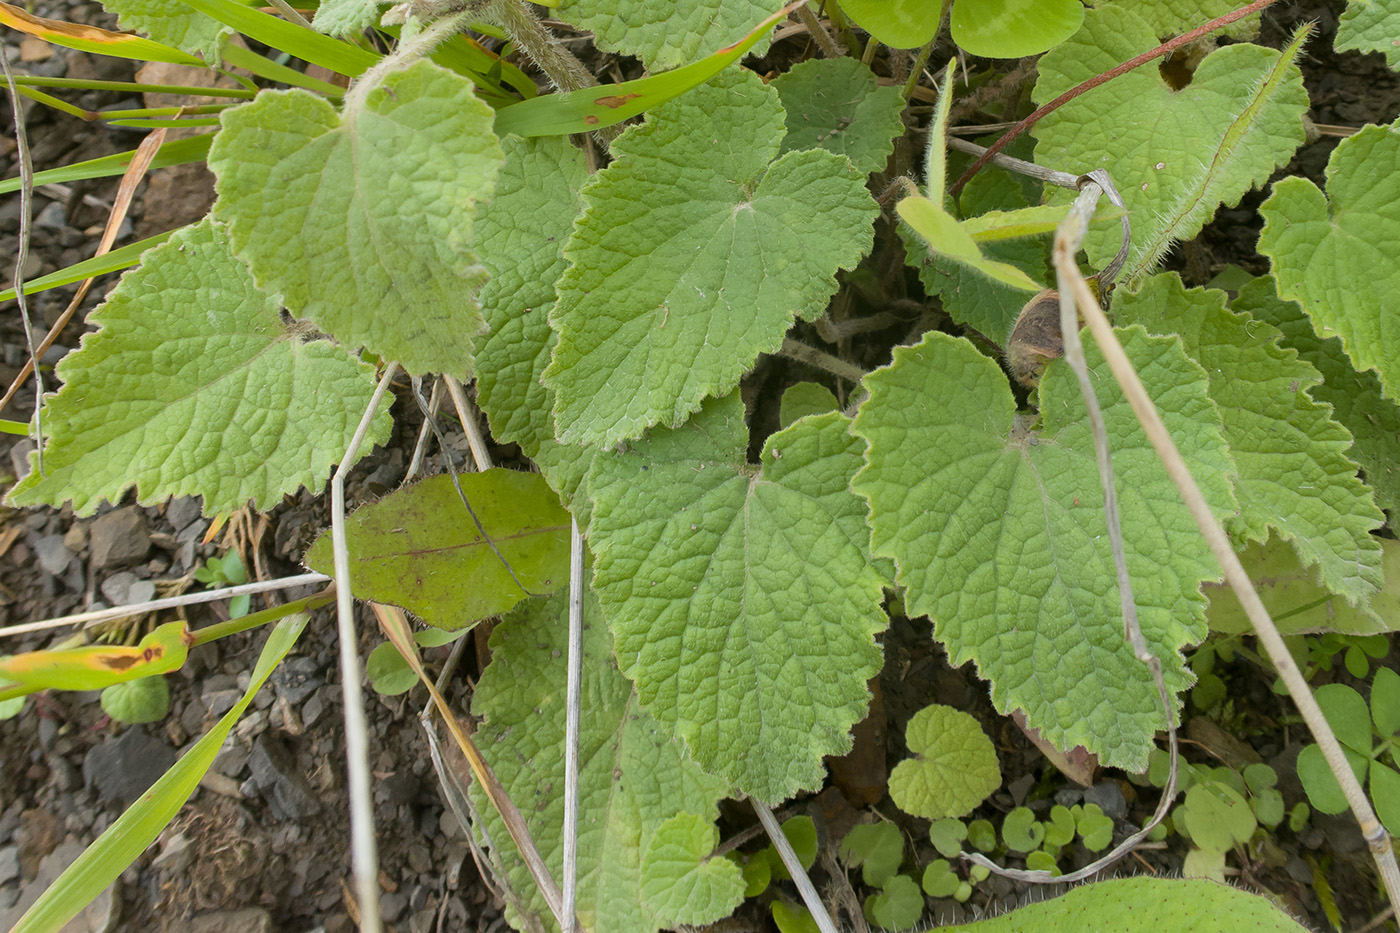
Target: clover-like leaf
[[362, 221], [947, 836], [146, 699], [878, 848], [1174, 155], [1370, 26], [995, 524], [1385, 794], [194, 386], [742, 598], [174, 23], [1095, 828], [1217, 817], [418, 548], [954, 767], [1355, 397], [939, 879], [695, 253], [1336, 254], [667, 35], [388, 672], [520, 238], [1059, 829], [1013, 28], [900, 24], [1021, 831], [1297, 602], [679, 879], [1295, 476], [898, 904], [1385, 702], [633, 781], [837, 104]]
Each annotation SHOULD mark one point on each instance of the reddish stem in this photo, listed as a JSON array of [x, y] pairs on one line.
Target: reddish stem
[[1166, 48]]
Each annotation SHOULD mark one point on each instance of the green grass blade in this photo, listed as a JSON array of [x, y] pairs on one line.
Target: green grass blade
[[113, 261], [14, 427], [178, 152], [143, 821], [306, 44], [83, 84], [269, 70], [593, 108], [141, 124]]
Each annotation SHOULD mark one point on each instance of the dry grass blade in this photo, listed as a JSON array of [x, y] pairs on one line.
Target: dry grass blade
[[572, 713], [395, 626], [26, 216]]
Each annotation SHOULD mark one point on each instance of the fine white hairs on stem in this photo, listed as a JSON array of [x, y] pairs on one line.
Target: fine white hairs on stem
[[364, 852]]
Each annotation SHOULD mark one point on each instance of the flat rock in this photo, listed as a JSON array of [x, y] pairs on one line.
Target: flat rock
[[274, 772], [120, 538], [123, 768], [54, 556], [247, 920]]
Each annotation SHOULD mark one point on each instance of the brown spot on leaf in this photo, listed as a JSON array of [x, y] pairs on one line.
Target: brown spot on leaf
[[613, 101], [591, 120]]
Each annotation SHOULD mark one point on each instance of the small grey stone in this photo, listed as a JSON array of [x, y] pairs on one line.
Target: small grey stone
[[117, 587], [64, 775], [401, 786], [99, 916], [120, 538], [246, 920], [418, 859], [9, 864], [123, 768], [9, 893], [1299, 871], [1109, 796], [53, 554], [52, 217], [19, 457], [392, 906], [296, 679], [1020, 787], [218, 702], [180, 512], [423, 921], [1069, 796], [274, 771]]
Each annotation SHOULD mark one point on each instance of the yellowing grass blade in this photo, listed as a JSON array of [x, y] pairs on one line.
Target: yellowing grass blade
[[143, 821], [593, 108], [91, 39], [93, 668]]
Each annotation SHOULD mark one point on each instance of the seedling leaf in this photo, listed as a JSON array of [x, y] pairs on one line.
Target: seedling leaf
[[743, 599], [1217, 817], [954, 767], [632, 779], [878, 848], [1334, 254], [135, 701], [947, 836], [997, 530], [419, 549], [1295, 476], [1385, 702], [1014, 28], [388, 672], [1021, 831], [900, 24], [1207, 145], [679, 280], [897, 906], [194, 387], [837, 104], [362, 221]]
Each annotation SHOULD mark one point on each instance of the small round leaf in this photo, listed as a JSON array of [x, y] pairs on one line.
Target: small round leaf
[[954, 769], [1021, 831], [146, 699], [1013, 28], [900, 24]]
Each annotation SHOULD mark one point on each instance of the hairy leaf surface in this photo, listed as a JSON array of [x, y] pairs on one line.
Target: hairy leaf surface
[[419, 549], [362, 221], [1371, 26], [837, 104], [1356, 399], [192, 386], [1171, 17], [665, 35], [1295, 475], [996, 528], [695, 252], [1338, 255], [742, 598], [954, 767], [1174, 155], [634, 780], [520, 237], [343, 17]]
